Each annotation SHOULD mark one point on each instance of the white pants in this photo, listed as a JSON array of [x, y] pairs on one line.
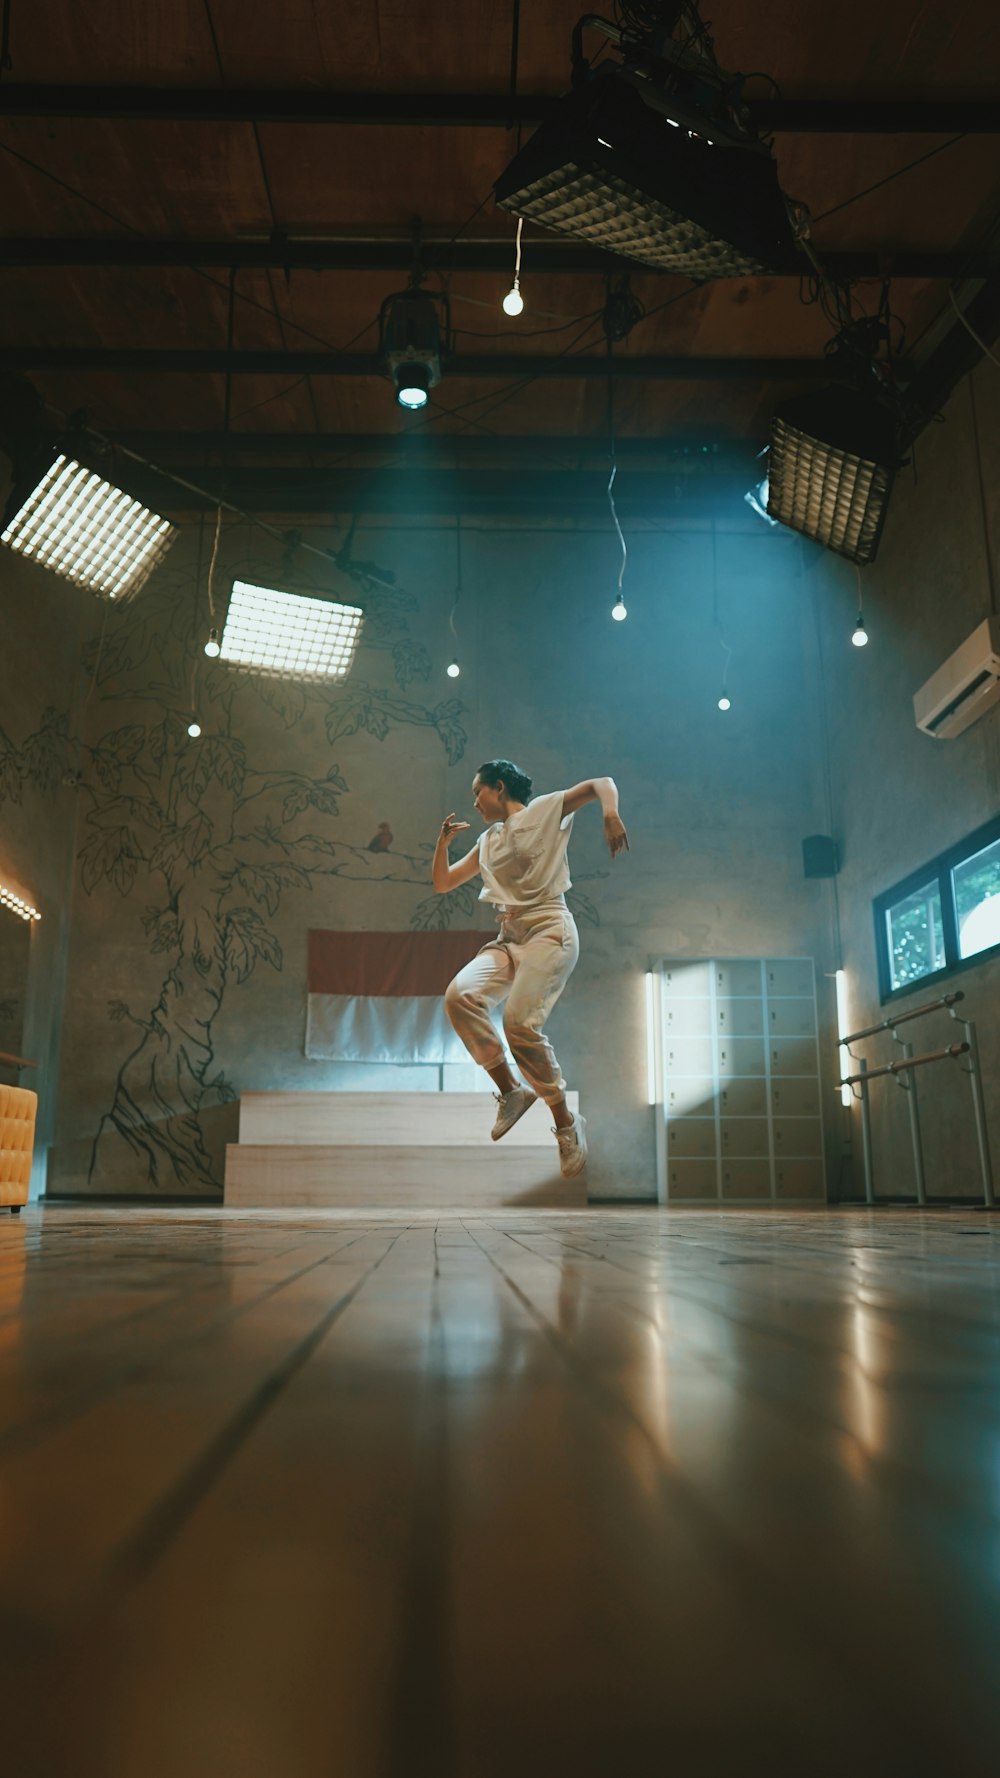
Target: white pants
[[528, 966]]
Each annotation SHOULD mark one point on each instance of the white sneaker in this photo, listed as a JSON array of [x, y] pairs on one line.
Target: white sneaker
[[572, 1147], [511, 1106]]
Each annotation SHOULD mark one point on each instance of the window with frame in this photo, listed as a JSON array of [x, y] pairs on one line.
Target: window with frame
[[941, 918]]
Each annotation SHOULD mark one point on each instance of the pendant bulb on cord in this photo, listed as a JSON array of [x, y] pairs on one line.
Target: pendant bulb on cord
[[860, 634], [513, 302], [725, 701], [619, 609], [453, 669]]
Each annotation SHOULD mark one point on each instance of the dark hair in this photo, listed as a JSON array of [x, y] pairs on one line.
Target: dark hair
[[518, 783]]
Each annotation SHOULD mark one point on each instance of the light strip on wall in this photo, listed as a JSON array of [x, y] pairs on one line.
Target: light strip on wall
[[842, 1032], [287, 633], [652, 1037], [17, 905], [87, 530]]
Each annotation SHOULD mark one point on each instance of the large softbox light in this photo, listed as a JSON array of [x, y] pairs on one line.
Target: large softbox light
[[609, 169]]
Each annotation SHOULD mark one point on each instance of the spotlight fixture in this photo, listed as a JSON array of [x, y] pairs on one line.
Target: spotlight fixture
[[650, 158], [831, 464], [513, 302], [212, 648], [756, 498], [860, 635], [453, 669], [194, 728], [411, 343], [66, 517], [290, 635], [619, 610]]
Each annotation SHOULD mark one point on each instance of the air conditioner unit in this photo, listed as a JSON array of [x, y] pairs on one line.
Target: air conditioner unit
[[964, 688]]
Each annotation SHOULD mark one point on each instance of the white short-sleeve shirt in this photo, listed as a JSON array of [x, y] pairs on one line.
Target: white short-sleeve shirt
[[523, 859]]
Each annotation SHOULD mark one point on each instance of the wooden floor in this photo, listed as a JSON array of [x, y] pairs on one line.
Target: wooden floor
[[298, 1494]]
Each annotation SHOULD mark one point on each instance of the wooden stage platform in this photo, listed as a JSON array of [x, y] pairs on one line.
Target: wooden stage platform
[[394, 1150]]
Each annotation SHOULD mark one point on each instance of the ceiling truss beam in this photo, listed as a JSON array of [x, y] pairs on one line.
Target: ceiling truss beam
[[501, 366], [933, 115], [280, 253]]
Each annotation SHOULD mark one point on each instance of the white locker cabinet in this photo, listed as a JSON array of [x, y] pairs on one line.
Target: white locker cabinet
[[737, 976], [743, 1098], [692, 1180], [691, 1138], [688, 1018], [688, 1055], [746, 1138], [738, 1091], [682, 981], [795, 1098], [739, 1018], [739, 1056]]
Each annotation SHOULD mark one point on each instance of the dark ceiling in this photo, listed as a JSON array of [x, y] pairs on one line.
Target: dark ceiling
[[152, 153]]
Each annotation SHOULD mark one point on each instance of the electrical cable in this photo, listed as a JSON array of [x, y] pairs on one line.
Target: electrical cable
[[727, 651], [5, 62], [920, 158], [967, 324], [614, 468], [983, 507]]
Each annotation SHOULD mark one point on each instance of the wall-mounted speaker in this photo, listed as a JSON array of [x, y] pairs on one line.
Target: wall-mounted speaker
[[819, 856]]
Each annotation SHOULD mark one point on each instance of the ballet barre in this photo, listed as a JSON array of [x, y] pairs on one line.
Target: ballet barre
[[903, 1072]]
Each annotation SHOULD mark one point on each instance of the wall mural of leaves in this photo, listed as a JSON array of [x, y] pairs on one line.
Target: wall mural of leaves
[[213, 840]]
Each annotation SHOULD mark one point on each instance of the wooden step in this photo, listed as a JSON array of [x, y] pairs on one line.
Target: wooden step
[[434, 1120], [452, 1176]]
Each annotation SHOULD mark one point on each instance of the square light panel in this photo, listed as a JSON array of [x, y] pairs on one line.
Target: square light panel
[[290, 634], [831, 465], [608, 169], [84, 528]]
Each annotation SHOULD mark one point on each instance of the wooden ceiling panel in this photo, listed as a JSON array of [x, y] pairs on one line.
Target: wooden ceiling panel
[[899, 46], [159, 178], [175, 180], [115, 42]]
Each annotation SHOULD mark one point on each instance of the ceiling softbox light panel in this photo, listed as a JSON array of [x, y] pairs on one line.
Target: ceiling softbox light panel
[[831, 466], [609, 169]]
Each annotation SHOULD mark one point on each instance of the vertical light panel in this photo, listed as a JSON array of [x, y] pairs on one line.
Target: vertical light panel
[[652, 1037], [842, 1032]]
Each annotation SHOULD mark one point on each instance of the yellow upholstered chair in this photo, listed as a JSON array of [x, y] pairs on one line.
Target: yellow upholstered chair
[[17, 1140]]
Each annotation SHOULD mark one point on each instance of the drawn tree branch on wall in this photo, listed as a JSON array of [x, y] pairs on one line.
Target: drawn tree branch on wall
[[216, 841], [223, 839]]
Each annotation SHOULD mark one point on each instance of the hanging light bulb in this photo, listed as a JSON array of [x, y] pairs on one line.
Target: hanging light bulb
[[513, 302], [619, 610], [860, 635], [194, 728], [453, 669], [212, 648], [725, 702]]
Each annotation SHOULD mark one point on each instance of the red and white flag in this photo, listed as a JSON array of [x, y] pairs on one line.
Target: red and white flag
[[379, 996]]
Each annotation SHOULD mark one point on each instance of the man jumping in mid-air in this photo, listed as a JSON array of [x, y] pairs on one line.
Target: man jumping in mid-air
[[521, 857]]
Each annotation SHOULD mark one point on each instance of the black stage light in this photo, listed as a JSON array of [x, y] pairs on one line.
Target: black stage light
[[614, 169], [830, 469], [410, 343]]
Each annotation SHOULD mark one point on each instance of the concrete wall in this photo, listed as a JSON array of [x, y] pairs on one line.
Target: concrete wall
[[160, 1032], [900, 798], [43, 632], [168, 1003]]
